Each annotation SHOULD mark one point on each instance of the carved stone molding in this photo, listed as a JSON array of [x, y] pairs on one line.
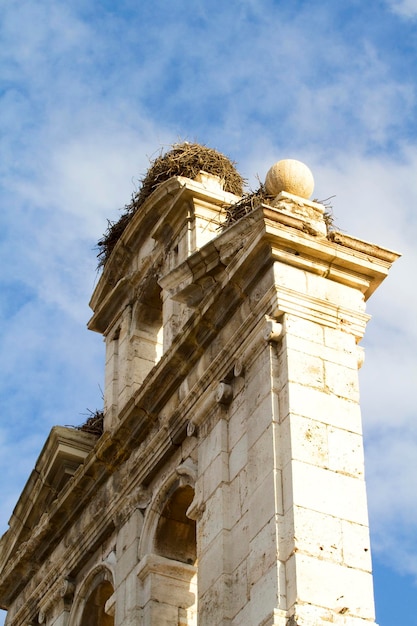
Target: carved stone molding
[[191, 429], [67, 589], [239, 368], [187, 472], [273, 330], [224, 393], [140, 499], [197, 507]]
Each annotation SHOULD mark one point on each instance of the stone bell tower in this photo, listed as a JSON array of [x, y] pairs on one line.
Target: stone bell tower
[[228, 485]]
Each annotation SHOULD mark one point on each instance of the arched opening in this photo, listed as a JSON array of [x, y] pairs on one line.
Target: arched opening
[[168, 567], [94, 609], [175, 536]]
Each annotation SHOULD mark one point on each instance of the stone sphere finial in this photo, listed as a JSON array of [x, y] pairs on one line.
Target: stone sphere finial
[[291, 176]]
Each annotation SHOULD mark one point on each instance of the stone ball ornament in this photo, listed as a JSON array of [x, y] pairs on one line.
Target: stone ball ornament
[[291, 176]]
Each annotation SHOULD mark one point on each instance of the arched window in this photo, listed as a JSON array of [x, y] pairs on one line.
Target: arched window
[[94, 610], [175, 536], [168, 566], [94, 600]]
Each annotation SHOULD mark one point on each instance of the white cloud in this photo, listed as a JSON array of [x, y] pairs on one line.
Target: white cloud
[[91, 93], [405, 8]]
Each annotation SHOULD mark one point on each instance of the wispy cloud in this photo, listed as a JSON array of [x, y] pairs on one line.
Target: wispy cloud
[[405, 8], [89, 93]]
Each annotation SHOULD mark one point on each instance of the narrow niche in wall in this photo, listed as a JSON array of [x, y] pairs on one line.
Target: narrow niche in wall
[[94, 610], [169, 575], [146, 336], [175, 536]]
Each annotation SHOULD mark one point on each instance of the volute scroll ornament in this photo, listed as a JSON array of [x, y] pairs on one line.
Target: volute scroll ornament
[[191, 429], [67, 589], [224, 393], [273, 330]]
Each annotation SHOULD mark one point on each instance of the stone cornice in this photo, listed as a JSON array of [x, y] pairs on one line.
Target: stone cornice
[[64, 451], [342, 258], [321, 311]]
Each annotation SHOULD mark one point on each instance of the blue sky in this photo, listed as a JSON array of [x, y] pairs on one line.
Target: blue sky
[[89, 91]]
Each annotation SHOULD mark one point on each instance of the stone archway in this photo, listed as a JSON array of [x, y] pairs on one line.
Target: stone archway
[[168, 567], [175, 536], [94, 599], [94, 613]]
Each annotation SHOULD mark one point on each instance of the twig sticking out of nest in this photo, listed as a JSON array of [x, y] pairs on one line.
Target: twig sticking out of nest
[[185, 159], [328, 215], [94, 424], [247, 204]]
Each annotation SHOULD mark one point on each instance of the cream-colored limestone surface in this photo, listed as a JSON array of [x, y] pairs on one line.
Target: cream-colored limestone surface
[[228, 485]]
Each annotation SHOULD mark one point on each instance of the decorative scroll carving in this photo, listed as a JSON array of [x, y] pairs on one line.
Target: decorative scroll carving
[[191, 429], [238, 369], [67, 589], [224, 393], [273, 330]]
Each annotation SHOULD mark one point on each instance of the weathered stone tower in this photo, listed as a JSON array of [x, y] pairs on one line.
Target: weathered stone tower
[[227, 487]]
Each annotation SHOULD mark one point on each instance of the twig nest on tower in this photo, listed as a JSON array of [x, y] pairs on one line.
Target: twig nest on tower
[[291, 176], [184, 159]]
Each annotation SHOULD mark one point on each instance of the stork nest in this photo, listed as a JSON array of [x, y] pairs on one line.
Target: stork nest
[[248, 203], [184, 159], [94, 424]]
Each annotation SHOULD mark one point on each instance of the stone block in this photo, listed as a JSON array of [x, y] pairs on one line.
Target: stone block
[[214, 561], [325, 491], [127, 561], [263, 552], [305, 369], [342, 381], [214, 518], [264, 503], [262, 416], [304, 328], [131, 600], [237, 422], [261, 456], [238, 457], [239, 541], [356, 546], [129, 532], [339, 340], [300, 344], [214, 604], [315, 534], [166, 581], [325, 407], [214, 442], [243, 490], [341, 589], [239, 589], [345, 355], [345, 452], [263, 596], [235, 509], [331, 291], [215, 474], [160, 613], [290, 277], [303, 439]]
